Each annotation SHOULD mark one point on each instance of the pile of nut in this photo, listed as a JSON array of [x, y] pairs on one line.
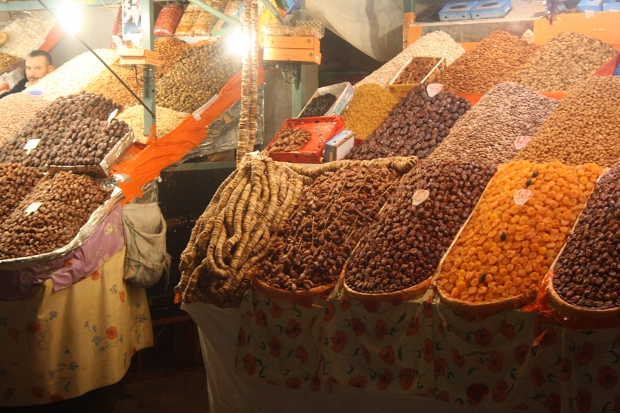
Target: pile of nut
[[414, 127], [405, 246], [6, 60], [318, 106], [170, 50], [416, 71], [370, 105], [65, 203], [16, 182], [73, 131], [198, 75], [17, 109], [290, 140], [315, 242], [564, 61], [492, 130], [584, 128], [167, 120], [516, 231], [586, 274], [496, 59], [437, 43], [25, 35]]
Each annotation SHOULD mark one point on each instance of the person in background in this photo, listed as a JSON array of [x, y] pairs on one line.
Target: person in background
[[38, 64]]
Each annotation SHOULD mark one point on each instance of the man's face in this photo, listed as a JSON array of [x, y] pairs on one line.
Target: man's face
[[134, 11], [37, 68]]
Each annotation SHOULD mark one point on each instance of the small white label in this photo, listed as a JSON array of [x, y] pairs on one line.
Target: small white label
[[522, 196], [112, 116], [420, 196], [434, 88], [30, 145], [528, 36], [521, 141], [32, 208], [589, 14]]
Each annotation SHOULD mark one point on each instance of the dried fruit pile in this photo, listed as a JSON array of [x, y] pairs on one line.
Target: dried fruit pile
[[370, 105], [233, 233], [496, 59], [584, 128], [506, 248], [405, 246], [490, 130], [587, 272], [415, 126], [16, 182], [416, 71], [319, 106], [66, 203], [564, 61], [290, 140], [313, 245]]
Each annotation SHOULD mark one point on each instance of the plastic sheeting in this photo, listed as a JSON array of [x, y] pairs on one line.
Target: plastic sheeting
[[372, 26], [230, 393]]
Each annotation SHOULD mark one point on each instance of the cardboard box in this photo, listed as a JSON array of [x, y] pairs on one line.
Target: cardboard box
[[292, 55], [339, 146], [594, 5], [491, 9], [402, 89], [291, 42], [457, 11], [611, 6]]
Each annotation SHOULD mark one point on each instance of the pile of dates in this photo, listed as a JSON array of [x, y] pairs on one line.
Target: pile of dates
[[16, 181], [72, 131], [418, 225], [313, 245], [319, 106], [415, 126], [587, 274]]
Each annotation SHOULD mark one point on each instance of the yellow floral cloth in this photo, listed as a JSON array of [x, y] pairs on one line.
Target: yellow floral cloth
[[61, 344]]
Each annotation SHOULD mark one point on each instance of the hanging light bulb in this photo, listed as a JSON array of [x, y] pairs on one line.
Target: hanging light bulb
[[70, 17], [238, 42]]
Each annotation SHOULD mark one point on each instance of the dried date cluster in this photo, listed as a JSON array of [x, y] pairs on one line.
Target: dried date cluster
[[319, 106], [405, 246], [416, 71], [587, 273], [415, 126], [16, 181], [72, 131], [313, 245], [67, 201], [290, 140]]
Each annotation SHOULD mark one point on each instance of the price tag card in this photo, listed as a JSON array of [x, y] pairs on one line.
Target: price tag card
[[521, 141], [420, 196], [589, 14], [30, 145], [528, 36], [522, 196], [434, 88], [32, 208]]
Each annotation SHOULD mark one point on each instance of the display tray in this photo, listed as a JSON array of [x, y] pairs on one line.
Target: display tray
[[573, 311], [344, 91], [322, 129], [280, 294], [401, 90], [85, 232]]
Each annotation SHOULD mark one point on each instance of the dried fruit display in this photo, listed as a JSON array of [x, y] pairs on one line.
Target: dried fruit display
[[584, 128], [416, 71], [170, 50], [497, 127], [184, 28], [587, 272], [6, 60], [496, 59], [516, 231], [368, 107], [313, 245], [418, 225], [198, 74], [16, 182], [415, 126], [564, 61], [50, 216], [233, 233], [168, 20], [71, 131], [290, 140], [319, 106], [167, 120], [17, 109]]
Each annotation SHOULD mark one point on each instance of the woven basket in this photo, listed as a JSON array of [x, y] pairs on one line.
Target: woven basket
[[488, 307], [402, 295], [4, 37], [572, 311], [278, 294]]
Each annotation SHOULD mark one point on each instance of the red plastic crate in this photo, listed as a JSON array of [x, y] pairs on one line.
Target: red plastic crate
[[322, 129]]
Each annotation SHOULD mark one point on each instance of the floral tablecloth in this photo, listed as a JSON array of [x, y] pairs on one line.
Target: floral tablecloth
[[508, 361], [61, 344]]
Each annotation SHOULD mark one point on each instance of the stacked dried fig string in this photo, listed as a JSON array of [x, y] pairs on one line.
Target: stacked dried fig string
[[249, 84], [233, 233]]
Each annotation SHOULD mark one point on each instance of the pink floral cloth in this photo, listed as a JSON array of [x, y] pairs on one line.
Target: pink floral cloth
[[509, 360]]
